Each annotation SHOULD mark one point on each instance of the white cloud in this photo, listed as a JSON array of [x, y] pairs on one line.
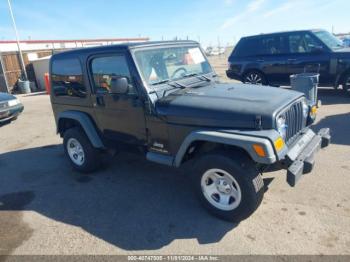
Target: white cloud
[[229, 2], [255, 5], [251, 8], [284, 7]]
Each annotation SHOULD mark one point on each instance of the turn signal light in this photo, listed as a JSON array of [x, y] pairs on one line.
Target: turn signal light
[[279, 143], [259, 150], [313, 110]]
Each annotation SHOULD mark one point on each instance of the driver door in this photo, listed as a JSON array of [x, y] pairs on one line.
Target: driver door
[[120, 116], [303, 58]]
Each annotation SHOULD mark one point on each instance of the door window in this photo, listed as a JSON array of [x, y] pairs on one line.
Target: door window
[[107, 68], [302, 43], [67, 78], [272, 45]]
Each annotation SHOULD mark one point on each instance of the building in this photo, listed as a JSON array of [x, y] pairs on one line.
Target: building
[[10, 66]]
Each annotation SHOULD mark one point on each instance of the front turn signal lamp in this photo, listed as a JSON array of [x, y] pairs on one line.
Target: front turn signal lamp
[[279, 143], [259, 150], [313, 111]]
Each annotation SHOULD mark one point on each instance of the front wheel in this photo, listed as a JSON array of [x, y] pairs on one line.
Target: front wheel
[[81, 154], [228, 185], [254, 78], [346, 84]]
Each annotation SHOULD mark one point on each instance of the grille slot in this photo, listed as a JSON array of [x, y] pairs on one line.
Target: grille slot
[[294, 120]]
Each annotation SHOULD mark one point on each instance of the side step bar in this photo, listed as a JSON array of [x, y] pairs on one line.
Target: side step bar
[[160, 158]]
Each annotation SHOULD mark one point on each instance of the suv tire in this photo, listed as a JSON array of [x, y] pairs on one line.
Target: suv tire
[[254, 77], [346, 84], [228, 185], [81, 154]]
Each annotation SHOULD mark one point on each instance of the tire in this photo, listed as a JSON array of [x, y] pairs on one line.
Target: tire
[[76, 144], [247, 185], [255, 78], [346, 84]]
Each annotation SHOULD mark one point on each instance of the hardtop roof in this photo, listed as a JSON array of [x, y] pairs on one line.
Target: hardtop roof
[[124, 46]]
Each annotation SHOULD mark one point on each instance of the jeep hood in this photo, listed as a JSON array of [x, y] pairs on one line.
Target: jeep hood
[[345, 50], [225, 105]]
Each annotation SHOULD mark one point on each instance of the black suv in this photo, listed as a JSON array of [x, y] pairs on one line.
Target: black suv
[[270, 59], [163, 100]]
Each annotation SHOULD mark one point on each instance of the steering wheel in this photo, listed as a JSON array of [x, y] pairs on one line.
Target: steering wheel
[[179, 70]]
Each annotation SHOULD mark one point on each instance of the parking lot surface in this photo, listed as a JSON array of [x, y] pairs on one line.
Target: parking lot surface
[[134, 206]]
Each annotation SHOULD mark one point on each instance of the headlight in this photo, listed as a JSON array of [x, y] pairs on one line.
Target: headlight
[[306, 109], [282, 126], [13, 102]]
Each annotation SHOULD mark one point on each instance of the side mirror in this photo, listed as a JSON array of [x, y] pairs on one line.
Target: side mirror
[[119, 85]]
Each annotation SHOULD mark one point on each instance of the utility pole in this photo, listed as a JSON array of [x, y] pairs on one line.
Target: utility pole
[[18, 43]]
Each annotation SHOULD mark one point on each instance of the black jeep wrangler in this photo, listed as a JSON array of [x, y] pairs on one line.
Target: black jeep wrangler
[[165, 100]]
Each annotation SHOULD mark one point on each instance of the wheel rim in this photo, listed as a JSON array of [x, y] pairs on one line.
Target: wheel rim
[[254, 78], [75, 151], [347, 84], [221, 189]]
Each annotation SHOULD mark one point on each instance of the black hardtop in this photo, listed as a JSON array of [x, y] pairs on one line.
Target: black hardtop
[[119, 47], [281, 33]]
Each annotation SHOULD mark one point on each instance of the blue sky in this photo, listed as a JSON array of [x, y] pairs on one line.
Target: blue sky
[[207, 20]]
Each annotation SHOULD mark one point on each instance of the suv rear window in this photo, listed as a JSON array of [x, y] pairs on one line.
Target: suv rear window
[[248, 47], [67, 78], [265, 45]]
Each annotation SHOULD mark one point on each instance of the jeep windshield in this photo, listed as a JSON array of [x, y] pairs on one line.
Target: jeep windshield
[[329, 40], [166, 64]]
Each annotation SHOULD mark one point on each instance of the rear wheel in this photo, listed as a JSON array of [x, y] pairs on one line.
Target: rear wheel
[[346, 84], [229, 186], [254, 78], [81, 154]]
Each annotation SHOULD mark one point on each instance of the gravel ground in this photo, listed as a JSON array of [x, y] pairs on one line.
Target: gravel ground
[[135, 206]]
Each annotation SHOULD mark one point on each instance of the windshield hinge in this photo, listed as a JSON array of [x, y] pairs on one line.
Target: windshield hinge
[[258, 123]]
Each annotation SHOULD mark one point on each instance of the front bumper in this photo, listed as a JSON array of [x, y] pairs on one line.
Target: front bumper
[[7, 114], [300, 157], [233, 75]]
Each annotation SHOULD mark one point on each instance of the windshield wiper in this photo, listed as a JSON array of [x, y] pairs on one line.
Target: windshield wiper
[[200, 77], [205, 78], [161, 82], [189, 75], [169, 82], [175, 85]]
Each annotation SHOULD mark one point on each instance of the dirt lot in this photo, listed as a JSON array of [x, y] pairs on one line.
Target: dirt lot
[[139, 207]]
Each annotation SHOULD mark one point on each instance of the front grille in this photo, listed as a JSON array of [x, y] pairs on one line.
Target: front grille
[[295, 121], [3, 105]]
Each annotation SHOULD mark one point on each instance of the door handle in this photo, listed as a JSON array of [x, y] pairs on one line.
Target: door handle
[[100, 101], [292, 60], [260, 60]]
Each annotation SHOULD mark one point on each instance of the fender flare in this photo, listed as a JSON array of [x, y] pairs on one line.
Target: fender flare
[[86, 123], [242, 141]]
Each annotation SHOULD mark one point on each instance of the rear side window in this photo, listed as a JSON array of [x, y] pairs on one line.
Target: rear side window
[[67, 78], [268, 45], [272, 45]]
